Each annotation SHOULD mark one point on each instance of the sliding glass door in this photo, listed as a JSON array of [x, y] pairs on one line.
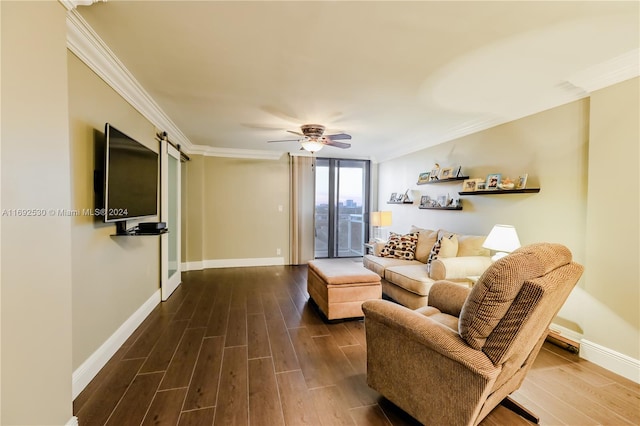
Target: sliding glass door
[[342, 205]]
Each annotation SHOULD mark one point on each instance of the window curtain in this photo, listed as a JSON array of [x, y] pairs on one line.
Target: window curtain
[[302, 235]]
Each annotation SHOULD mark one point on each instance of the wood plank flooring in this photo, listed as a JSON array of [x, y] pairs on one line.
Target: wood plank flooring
[[243, 346]]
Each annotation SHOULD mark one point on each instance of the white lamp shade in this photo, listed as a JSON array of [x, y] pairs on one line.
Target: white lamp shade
[[502, 238], [381, 218]]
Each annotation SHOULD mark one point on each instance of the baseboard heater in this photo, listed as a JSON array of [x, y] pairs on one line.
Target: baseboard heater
[[565, 343]]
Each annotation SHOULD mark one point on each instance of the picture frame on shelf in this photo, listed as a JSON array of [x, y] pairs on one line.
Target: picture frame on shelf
[[425, 201], [481, 185], [442, 200], [424, 177], [522, 181], [493, 180], [445, 173], [469, 185], [394, 197], [435, 172]]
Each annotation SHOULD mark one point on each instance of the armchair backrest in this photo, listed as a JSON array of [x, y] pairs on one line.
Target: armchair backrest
[[510, 308]]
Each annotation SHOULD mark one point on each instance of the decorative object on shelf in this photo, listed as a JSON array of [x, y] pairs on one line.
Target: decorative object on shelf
[[435, 172], [446, 173], [481, 185], [425, 201], [503, 239], [406, 198], [443, 200], [506, 183], [457, 171], [380, 220], [469, 185], [493, 180], [522, 181], [423, 177], [394, 197]]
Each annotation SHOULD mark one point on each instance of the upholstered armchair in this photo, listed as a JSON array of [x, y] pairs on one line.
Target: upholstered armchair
[[452, 361]]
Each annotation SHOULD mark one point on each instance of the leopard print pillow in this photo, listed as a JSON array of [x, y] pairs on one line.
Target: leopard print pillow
[[400, 246]]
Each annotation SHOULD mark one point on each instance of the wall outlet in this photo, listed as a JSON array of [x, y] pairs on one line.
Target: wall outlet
[[278, 252]]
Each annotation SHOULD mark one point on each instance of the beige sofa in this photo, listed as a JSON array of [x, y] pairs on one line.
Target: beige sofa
[[408, 281]]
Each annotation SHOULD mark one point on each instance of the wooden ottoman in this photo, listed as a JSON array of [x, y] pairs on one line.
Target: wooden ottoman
[[339, 286]]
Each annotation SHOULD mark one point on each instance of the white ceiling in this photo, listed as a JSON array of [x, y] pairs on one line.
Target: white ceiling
[[397, 76]]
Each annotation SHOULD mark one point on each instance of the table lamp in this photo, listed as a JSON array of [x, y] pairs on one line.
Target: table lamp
[[380, 220], [503, 239]]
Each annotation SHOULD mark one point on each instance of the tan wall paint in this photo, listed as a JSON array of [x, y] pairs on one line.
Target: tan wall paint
[[554, 148], [612, 289], [112, 276], [36, 251], [193, 210], [234, 204]]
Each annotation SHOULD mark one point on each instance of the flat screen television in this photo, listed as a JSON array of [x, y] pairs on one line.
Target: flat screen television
[[130, 178]]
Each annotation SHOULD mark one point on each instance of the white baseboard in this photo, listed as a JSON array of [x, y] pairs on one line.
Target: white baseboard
[[92, 365], [73, 421], [192, 266], [614, 361], [232, 263]]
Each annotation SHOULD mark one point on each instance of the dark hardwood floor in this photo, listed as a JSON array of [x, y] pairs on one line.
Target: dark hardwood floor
[[244, 346]]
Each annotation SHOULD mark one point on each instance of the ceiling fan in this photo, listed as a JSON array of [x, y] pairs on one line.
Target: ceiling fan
[[313, 138]]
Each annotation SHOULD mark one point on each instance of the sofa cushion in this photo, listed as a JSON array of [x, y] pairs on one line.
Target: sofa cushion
[[435, 251], [413, 278], [401, 246], [378, 264], [426, 239], [471, 245], [448, 247]]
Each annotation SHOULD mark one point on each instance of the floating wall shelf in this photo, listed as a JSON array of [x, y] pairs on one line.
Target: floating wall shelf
[[502, 191], [454, 179], [441, 208]]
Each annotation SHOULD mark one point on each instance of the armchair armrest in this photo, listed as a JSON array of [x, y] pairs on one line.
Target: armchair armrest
[[377, 247], [448, 297], [430, 334], [456, 268]]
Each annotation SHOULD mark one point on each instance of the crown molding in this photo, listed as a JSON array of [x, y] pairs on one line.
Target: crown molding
[[209, 151], [90, 49], [72, 4], [608, 73]]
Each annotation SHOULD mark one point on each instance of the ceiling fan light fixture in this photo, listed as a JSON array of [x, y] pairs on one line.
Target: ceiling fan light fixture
[[311, 145]]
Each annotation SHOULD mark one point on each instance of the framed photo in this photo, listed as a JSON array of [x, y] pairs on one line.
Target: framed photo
[[394, 197], [442, 201], [424, 177], [469, 185], [493, 180], [446, 173], [425, 201], [434, 174], [481, 185], [522, 181]]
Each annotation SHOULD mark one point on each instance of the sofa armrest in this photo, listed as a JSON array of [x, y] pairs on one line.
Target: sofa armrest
[[457, 268], [377, 247], [448, 297], [430, 334]]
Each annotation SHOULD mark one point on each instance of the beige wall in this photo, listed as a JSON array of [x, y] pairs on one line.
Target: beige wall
[[611, 297], [233, 208], [36, 251], [112, 276], [554, 148]]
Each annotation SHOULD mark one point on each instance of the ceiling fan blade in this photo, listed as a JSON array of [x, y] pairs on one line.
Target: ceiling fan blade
[[342, 145], [339, 136], [285, 140], [295, 133]]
